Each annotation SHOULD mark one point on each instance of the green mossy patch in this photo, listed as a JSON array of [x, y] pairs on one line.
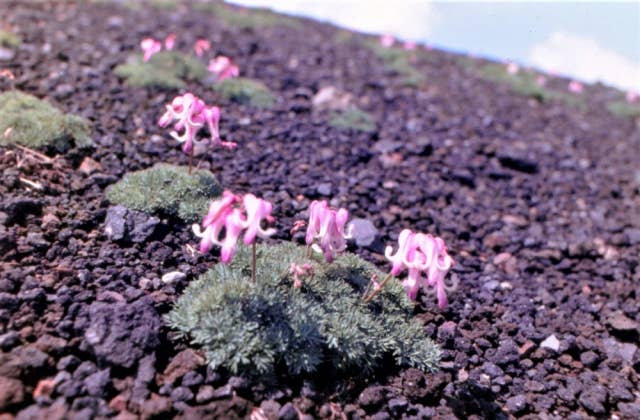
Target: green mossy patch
[[9, 40], [398, 60], [166, 69], [244, 18], [270, 327], [34, 123], [524, 83], [624, 109], [353, 118], [167, 190], [246, 91]]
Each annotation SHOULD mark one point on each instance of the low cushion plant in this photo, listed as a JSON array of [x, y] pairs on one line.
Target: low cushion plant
[[34, 123], [166, 190], [166, 69], [245, 91]]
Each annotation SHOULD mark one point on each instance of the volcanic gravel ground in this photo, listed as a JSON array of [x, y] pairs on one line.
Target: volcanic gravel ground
[[537, 202]]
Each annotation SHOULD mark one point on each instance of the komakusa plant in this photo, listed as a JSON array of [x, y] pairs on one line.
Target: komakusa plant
[[189, 114], [325, 231], [223, 68]]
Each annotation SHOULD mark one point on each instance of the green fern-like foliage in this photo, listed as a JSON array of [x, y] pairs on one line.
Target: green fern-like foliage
[[166, 69], [36, 124], [397, 60], [271, 327], [353, 118], [245, 18], [246, 91], [9, 39], [624, 109], [167, 190]]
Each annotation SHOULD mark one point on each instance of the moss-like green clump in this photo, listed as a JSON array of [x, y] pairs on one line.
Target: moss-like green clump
[[9, 39], [524, 83], [167, 69], [353, 118], [246, 17], [271, 327], [34, 123], [165, 4], [167, 190], [624, 109], [246, 91], [398, 60]]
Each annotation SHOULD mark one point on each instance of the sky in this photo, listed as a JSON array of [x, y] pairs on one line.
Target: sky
[[588, 41]]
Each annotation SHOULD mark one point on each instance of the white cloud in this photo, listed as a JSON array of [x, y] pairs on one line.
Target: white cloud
[[585, 59], [408, 19]]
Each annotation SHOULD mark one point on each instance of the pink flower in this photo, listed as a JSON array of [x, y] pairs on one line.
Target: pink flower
[[170, 41], [426, 259], [186, 111], [257, 210], [211, 116], [387, 40], [327, 225], [632, 96], [575, 87], [541, 80], [513, 68], [224, 213], [201, 46], [409, 46], [223, 68], [150, 46], [298, 271]]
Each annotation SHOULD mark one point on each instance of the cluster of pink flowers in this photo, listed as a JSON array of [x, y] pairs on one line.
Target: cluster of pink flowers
[[226, 213], [512, 68], [575, 87], [326, 229], [387, 40], [541, 80], [150, 46], [298, 271], [223, 68], [632, 96], [426, 259], [201, 46], [190, 114]]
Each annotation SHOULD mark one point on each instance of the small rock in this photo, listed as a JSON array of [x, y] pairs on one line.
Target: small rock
[[173, 277], [589, 359], [621, 323], [181, 393], [89, 166], [630, 410], [9, 340], [225, 391], [6, 54], [363, 231], [331, 98], [205, 394], [324, 189], [96, 383], [614, 348], [115, 223], [518, 163], [141, 226], [593, 399], [447, 331], [551, 342], [18, 208], [288, 412], [11, 392], [517, 404], [397, 406], [371, 397], [185, 361], [270, 408], [507, 353]]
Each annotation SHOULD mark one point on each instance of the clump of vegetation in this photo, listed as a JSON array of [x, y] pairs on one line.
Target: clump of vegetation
[[524, 83], [34, 123], [9, 39], [279, 325], [246, 91], [353, 118], [397, 60], [164, 4], [166, 190], [246, 17], [167, 69], [624, 109]]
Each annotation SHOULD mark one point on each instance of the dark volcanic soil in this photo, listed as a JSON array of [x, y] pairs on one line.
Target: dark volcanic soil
[[539, 204]]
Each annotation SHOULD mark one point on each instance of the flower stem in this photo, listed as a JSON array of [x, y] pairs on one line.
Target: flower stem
[[253, 262], [190, 160], [368, 299]]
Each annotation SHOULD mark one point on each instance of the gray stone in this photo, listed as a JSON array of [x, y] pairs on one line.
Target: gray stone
[[324, 189], [115, 223], [363, 231], [614, 348], [141, 226], [121, 333], [6, 54], [551, 342], [96, 383], [593, 399], [517, 404], [173, 277]]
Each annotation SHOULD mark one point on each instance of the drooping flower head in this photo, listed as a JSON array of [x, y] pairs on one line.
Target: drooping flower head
[[191, 114], [226, 213], [387, 40], [223, 68], [150, 47], [326, 229], [575, 87], [427, 261], [513, 68], [170, 41], [201, 46]]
